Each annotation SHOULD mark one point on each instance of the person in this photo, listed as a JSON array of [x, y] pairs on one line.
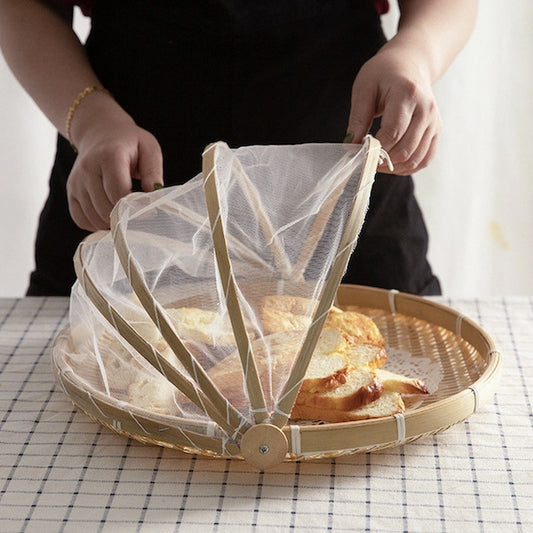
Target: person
[[158, 80]]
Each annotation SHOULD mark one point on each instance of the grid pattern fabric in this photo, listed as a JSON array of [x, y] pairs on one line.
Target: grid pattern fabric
[[60, 471]]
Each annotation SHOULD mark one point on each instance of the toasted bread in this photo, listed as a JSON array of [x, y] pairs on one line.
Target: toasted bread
[[389, 403], [325, 373], [288, 313], [200, 325], [400, 383], [361, 388], [285, 313], [357, 327], [274, 356], [327, 368], [366, 355]]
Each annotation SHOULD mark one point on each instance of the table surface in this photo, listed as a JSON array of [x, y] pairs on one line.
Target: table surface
[[60, 471]]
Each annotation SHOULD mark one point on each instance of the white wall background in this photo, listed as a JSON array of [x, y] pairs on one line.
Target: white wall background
[[477, 196]]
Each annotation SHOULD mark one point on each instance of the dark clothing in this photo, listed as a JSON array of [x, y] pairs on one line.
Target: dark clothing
[[261, 72]]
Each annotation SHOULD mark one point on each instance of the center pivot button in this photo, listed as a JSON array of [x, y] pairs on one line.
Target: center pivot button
[[264, 446]]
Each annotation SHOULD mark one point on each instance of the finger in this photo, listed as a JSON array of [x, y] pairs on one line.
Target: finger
[[431, 152], [100, 200], [414, 162], [116, 174], [410, 140], [362, 112], [90, 212], [78, 215], [149, 164], [396, 120]]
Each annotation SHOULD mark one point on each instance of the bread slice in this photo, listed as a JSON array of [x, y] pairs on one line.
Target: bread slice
[[400, 383], [201, 325], [361, 388], [328, 366], [279, 312], [389, 403], [288, 313], [155, 395], [134, 313], [274, 356], [366, 355], [325, 373], [357, 327]]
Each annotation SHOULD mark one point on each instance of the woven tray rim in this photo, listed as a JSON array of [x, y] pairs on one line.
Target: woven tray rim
[[329, 439]]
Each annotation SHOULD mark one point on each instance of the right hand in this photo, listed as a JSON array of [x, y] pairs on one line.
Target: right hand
[[110, 155], [395, 86]]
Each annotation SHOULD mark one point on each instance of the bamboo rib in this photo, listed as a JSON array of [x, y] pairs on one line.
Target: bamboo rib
[[280, 256], [153, 356], [353, 224], [155, 241], [158, 315], [162, 430], [200, 222], [253, 384]]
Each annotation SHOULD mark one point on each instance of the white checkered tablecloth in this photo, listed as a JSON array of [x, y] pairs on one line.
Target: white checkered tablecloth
[[62, 472]]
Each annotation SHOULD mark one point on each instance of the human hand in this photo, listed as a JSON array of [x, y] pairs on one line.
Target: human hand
[[394, 86], [110, 154]]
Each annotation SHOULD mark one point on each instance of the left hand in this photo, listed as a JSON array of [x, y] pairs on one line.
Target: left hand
[[393, 85]]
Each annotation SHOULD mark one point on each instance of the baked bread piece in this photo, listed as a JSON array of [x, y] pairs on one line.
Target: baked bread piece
[[328, 366], [366, 355], [279, 350], [155, 395], [287, 313], [361, 388], [115, 370], [274, 356], [359, 329], [135, 314], [200, 325], [343, 376], [389, 403], [400, 383]]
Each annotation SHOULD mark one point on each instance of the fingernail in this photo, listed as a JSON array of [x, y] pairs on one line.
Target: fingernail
[[348, 139], [158, 186]]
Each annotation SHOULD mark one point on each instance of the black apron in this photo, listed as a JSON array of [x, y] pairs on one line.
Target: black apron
[[246, 72]]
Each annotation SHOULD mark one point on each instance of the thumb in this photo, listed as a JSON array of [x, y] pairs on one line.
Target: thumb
[[362, 112], [149, 164]]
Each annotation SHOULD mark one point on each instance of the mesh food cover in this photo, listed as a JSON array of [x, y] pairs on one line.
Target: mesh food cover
[[182, 320]]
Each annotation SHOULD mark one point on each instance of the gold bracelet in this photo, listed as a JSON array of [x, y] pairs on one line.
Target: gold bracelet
[[74, 106]]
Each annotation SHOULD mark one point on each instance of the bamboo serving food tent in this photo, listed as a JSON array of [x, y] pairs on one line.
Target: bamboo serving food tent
[[174, 290]]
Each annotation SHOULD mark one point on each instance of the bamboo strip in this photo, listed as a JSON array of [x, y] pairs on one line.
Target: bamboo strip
[[152, 355], [200, 222], [159, 317], [253, 384], [155, 241], [141, 426], [353, 224]]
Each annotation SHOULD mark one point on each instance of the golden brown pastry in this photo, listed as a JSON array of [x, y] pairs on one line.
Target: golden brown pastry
[[361, 388], [389, 403]]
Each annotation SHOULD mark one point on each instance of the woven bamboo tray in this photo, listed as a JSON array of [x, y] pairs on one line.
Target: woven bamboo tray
[[465, 354], [462, 353]]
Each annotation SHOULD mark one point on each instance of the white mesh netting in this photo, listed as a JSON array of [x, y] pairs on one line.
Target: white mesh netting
[[289, 217]]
